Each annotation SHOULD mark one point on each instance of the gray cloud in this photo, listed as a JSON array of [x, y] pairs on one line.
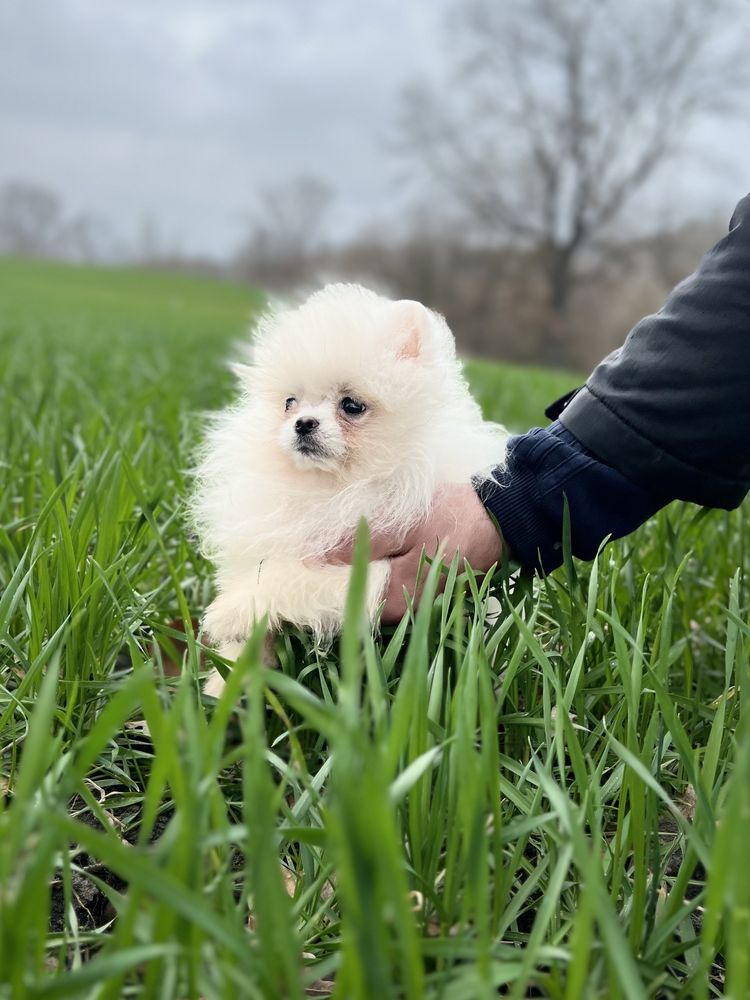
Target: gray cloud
[[185, 110]]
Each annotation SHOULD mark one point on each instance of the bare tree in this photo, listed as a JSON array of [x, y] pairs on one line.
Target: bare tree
[[87, 239], [30, 220], [559, 114], [34, 223], [286, 227]]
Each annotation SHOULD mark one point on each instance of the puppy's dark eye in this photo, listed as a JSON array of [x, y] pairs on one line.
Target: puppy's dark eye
[[289, 403], [352, 407]]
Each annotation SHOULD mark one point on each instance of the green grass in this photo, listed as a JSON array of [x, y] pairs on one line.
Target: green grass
[[552, 802]]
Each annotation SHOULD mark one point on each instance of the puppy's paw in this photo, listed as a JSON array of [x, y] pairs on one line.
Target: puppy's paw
[[226, 622], [214, 685], [377, 580]]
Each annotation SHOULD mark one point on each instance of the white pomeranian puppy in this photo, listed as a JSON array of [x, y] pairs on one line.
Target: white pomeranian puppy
[[353, 406]]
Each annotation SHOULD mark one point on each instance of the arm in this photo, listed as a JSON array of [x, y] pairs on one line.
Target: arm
[[526, 499], [528, 495], [667, 416], [671, 408]]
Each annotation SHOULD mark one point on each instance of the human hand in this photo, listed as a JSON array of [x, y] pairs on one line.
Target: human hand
[[457, 522]]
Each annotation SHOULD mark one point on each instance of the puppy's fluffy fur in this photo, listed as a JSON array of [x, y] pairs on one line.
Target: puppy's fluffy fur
[[353, 405]]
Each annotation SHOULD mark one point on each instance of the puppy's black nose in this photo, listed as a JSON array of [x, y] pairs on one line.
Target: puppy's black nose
[[306, 425]]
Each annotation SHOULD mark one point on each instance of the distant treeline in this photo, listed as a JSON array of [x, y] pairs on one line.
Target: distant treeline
[[494, 296]]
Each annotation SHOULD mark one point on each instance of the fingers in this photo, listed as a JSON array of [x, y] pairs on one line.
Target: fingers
[[403, 574], [341, 555], [383, 545], [404, 570], [389, 546]]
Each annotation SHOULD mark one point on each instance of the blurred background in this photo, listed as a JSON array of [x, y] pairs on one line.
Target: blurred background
[[541, 171]]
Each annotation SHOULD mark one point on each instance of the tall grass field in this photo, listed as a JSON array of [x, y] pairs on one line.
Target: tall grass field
[[543, 795]]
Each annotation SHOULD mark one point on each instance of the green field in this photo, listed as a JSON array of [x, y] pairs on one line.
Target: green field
[[552, 803]]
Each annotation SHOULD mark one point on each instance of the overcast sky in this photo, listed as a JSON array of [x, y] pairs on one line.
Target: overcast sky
[[183, 110]]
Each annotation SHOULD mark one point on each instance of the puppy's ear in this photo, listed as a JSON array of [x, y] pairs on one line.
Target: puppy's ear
[[411, 326]]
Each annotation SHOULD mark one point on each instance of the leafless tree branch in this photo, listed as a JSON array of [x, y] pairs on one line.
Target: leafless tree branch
[[558, 115]]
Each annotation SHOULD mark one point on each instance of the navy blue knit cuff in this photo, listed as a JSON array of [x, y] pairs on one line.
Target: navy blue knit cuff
[[543, 469], [513, 502]]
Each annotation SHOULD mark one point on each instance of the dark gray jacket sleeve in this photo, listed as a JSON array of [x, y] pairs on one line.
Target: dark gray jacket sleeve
[[670, 409]]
